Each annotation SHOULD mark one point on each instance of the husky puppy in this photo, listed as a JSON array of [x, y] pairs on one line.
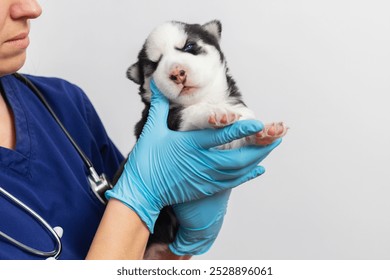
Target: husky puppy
[[188, 66]]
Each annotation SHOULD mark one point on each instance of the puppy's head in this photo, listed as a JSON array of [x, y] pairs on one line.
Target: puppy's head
[[185, 61]]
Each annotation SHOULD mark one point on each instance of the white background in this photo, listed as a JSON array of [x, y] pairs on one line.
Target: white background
[[323, 67], [199, 269]]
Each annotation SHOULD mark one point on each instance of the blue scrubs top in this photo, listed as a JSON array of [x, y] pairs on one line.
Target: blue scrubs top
[[45, 171]]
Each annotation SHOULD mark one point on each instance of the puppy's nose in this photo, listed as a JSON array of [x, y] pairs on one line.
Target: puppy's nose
[[178, 75]]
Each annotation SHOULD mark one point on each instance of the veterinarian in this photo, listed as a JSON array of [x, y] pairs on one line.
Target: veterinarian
[[46, 200]]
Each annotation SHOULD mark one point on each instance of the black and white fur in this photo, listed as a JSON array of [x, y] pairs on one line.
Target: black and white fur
[[188, 66]]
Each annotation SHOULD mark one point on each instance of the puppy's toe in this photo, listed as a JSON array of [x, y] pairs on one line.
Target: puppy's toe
[[269, 134], [221, 118]]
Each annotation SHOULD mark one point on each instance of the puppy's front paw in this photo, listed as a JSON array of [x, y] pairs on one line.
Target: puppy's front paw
[[221, 118], [269, 134]]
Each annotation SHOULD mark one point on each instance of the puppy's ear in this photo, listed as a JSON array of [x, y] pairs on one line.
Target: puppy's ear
[[213, 27], [134, 73]]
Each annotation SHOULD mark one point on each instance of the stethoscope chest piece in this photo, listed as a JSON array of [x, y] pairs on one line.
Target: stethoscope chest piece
[[98, 183]]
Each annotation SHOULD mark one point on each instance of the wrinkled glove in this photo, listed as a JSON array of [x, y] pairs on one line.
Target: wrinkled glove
[[168, 167], [201, 220]]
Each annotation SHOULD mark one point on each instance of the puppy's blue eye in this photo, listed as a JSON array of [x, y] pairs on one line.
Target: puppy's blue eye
[[188, 47]]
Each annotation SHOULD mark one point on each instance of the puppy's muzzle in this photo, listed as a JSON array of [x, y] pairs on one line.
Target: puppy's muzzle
[[178, 75]]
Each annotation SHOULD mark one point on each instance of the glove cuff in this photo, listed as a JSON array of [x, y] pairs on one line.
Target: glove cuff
[[127, 191]]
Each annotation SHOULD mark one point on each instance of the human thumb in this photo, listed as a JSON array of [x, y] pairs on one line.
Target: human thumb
[[159, 109]]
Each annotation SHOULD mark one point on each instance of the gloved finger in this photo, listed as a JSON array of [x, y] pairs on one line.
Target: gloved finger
[[232, 174], [221, 175], [159, 108], [216, 137], [229, 184], [241, 157]]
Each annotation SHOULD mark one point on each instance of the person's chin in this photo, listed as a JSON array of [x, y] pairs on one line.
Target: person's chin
[[12, 64]]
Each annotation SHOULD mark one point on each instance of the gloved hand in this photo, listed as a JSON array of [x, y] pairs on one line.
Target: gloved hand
[[169, 167], [201, 220]]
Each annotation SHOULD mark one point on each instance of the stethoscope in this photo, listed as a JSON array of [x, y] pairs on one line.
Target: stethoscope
[[99, 185]]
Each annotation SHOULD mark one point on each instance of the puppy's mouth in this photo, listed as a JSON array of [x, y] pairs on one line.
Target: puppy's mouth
[[187, 90]]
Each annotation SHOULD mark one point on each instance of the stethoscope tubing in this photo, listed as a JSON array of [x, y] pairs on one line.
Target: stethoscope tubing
[[52, 254], [98, 183], [38, 93]]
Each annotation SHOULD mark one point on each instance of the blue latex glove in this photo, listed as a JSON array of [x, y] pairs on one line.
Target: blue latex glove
[[169, 167], [201, 220]]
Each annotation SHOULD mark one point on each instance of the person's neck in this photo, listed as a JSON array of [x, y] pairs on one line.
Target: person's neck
[[7, 126]]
